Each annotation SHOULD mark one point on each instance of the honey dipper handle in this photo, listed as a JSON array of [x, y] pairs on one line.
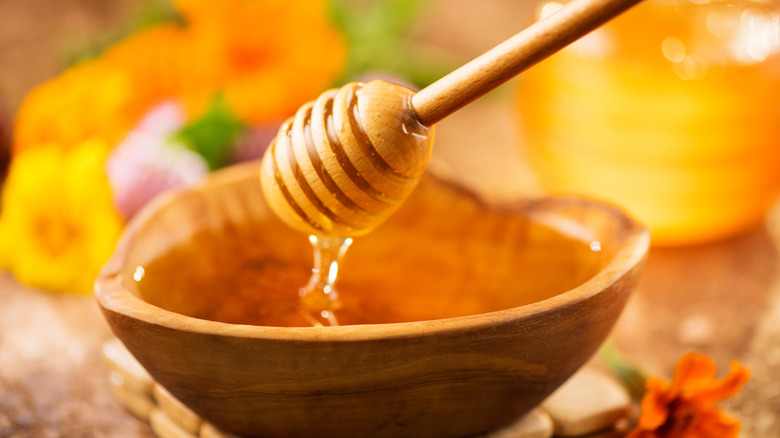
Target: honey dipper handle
[[508, 59]]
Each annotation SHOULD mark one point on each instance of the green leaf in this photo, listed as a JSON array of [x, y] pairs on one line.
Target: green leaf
[[378, 34], [214, 134], [631, 376]]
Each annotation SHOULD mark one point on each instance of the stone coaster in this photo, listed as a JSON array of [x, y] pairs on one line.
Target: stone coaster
[[535, 424], [590, 403]]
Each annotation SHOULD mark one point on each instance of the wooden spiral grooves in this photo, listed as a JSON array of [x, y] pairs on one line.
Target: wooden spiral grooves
[[346, 161]]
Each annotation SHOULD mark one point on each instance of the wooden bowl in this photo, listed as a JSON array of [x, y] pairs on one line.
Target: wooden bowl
[[454, 376]]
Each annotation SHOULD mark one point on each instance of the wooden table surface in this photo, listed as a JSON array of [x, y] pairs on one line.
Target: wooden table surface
[[722, 299]]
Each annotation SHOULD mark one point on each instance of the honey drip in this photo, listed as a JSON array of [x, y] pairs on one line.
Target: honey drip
[[319, 299]]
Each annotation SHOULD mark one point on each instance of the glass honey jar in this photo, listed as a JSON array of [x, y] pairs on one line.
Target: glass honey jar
[[671, 111]]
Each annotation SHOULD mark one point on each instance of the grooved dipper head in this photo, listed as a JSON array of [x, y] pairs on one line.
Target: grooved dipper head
[[346, 161]]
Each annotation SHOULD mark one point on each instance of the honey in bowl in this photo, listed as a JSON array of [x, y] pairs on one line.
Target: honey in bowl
[[434, 378], [441, 255]]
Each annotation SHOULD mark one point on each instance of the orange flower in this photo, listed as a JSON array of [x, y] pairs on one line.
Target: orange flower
[[151, 59], [265, 57], [89, 100], [686, 407], [166, 64], [268, 57]]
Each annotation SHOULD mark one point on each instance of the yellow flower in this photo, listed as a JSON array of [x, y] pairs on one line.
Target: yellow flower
[[91, 99], [58, 225]]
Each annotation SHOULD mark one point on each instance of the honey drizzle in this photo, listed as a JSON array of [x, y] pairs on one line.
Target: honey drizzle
[[319, 299]]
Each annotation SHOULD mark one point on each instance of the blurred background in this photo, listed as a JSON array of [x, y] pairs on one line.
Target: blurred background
[[672, 113]]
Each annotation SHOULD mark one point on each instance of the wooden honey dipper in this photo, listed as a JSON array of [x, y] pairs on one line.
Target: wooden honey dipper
[[346, 161]]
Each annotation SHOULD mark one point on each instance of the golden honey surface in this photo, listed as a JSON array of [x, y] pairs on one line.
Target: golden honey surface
[[438, 257]]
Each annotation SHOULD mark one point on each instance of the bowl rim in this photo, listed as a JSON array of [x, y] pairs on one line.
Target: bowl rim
[[112, 296]]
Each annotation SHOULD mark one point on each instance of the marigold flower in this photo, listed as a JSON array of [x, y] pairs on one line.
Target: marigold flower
[[265, 58], [686, 407], [165, 64], [91, 99], [58, 226], [268, 57]]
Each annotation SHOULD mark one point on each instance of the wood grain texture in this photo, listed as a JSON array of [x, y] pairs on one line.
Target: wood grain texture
[[346, 161], [439, 378], [513, 56]]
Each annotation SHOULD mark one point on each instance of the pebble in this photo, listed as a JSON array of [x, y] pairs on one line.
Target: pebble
[[589, 402], [535, 424], [176, 410], [134, 376]]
